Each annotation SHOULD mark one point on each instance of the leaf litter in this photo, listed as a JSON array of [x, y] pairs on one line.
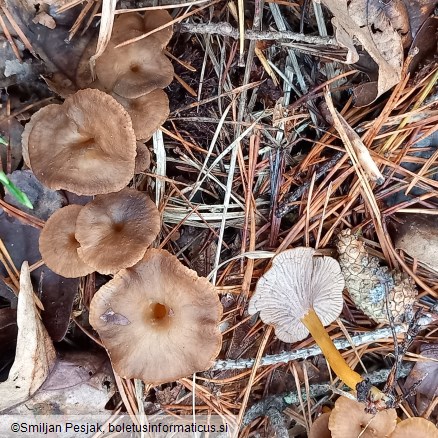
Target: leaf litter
[[238, 176]]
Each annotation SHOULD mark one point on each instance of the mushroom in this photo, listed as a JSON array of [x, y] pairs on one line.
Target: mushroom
[[158, 313], [349, 420], [151, 20], [126, 23], [320, 427], [136, 69], [297, 285], [302, 293], [143, 158], [115, 230], [157, 18], [147, 112], [415, 427], [58, 246], [86, 145]]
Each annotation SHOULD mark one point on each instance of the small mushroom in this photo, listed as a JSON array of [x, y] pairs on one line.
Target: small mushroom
[[58, 246], [147, 112], [158, 320], [136, 69], [297, 284], [86, 145], [415, 427], [302, 293], [320, 427], [143, 158], [115, 230], [349, 420]]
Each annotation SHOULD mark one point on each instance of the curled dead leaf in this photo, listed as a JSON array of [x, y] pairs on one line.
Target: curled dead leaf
[[35, 355], [366, 21]]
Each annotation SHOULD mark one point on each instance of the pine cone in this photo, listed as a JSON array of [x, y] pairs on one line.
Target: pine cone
[[367, 282]]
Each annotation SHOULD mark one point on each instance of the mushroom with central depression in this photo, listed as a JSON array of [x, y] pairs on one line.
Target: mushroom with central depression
[[86, 145], [114, 230], [158, 320]]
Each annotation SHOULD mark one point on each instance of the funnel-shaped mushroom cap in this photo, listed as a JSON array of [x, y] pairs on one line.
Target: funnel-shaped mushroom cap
[[147, 112], [297, 282], [157, 18], [86, 145], [158, 320], [348, 420], [415, 427], [58, 246], [114, 230], [136, 69]]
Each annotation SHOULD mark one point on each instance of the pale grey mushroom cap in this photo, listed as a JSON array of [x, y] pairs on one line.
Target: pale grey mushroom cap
[[297, 282]]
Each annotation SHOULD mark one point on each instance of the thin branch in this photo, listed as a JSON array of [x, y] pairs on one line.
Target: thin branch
[[281, 401], [340, 344], [225, 29]]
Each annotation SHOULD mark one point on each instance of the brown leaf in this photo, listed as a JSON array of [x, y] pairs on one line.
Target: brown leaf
[[35, 355], [365, 20], [78, 380]]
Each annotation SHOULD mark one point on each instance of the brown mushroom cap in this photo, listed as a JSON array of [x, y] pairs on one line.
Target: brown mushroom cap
[[143, 158], [114, 230], [415, 427], [158, 320], [297, 282], [136, 69], [58, 246], [125, 23], [157, 18], [86, 145], [147, 112], [320, 427], [348, 420]]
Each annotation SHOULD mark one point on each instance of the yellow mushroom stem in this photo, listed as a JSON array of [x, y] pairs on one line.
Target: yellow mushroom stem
[[334, 358]]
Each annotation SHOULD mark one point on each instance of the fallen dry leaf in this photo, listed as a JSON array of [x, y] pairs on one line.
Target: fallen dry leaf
[[78, 380], [35, 355], [366, 21]]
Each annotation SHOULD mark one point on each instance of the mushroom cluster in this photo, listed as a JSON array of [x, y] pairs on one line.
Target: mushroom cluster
[[154, 311], [135, 74], [348, 420], [108, 234]]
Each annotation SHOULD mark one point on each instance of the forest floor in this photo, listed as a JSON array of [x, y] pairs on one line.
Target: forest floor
[[289, 122]]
